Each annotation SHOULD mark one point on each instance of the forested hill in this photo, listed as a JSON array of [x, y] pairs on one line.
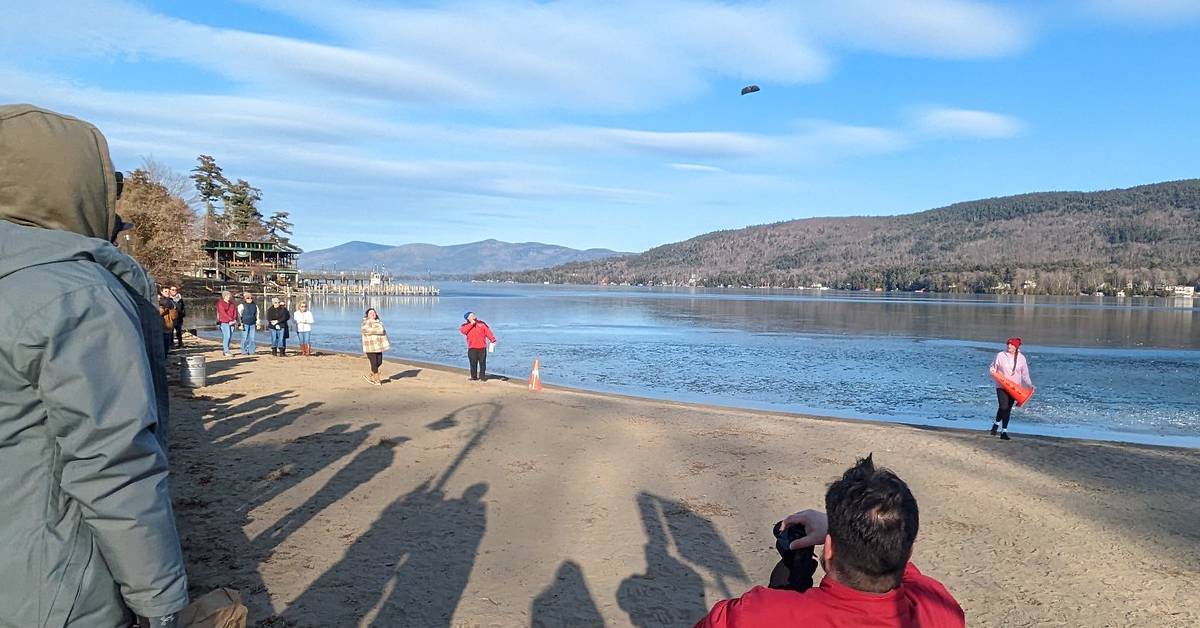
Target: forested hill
[[1063, 241]]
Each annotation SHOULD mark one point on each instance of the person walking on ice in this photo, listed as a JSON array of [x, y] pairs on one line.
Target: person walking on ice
[[1010, 363], [478, 335]]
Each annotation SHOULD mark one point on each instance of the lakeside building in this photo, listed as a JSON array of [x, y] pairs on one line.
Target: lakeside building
[[245, 261]]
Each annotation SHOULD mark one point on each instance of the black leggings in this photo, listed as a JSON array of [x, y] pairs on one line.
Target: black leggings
[[1005, 408], [478, 360], [376, 360]]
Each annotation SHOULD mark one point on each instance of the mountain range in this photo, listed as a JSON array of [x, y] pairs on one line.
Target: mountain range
[[1139, 238], [456, 260]]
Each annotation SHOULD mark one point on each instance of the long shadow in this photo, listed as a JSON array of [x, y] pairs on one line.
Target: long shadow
[[411, 567], [403, 375], [670, 593], [362, 469], [218, 481], [566, 602]]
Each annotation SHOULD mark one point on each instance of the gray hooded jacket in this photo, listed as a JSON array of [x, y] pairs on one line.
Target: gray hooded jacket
[[85, 512]]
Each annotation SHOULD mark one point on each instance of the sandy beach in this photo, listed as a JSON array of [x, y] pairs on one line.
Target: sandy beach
[[437, 501]]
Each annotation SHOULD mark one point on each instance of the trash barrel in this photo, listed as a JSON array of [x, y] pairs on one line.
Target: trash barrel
[[194, 372]]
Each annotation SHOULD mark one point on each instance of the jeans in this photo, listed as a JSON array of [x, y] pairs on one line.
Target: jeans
[[303, 337], [226, 336], [278, 338], [248, 340], [167, 343]]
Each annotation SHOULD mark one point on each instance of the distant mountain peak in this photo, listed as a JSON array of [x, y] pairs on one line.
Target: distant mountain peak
[[420, 259]]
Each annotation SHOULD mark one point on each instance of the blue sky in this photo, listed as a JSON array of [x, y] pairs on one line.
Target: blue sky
[[619, 124]]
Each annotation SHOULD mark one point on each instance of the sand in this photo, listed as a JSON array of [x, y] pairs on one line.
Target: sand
[[436, 501]]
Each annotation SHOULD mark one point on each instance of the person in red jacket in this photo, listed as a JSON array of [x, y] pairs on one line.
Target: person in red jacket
[[867, 540], [226, 317], [478, 335]]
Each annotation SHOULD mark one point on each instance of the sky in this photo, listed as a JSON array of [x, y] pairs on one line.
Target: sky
[[620, 124]]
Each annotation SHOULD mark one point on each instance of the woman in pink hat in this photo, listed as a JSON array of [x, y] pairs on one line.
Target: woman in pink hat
[[1010, 363]]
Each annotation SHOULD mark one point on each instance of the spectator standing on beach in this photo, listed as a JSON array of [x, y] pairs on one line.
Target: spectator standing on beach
[[88, 532], [277, 319], [166, 309], [375, 342], [478, 336], [227, 316], [1010, 363], [304, 322], [866, 533], [248, 321], [180, 313]]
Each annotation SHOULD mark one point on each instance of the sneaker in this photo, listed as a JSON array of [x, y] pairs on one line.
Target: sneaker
[[226, 353], [474, 379], [369, 379], [994, 428], [1004, 436]]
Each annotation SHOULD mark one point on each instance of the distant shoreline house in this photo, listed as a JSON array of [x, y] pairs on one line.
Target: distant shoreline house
[[249, 261]]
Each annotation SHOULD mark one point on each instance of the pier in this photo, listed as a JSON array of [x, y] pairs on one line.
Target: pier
[[359, 283]]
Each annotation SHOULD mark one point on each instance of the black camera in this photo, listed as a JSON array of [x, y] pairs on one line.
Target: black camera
[[800, 562]]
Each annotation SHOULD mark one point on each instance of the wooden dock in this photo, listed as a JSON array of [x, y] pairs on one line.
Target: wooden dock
[[360, 284]]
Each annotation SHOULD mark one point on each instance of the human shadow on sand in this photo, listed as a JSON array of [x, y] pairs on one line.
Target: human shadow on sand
[[403, 375], [671, 592], [566, 602], [214, 476], [411, 567]]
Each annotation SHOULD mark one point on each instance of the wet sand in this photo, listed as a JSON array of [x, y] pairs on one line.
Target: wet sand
[[437, 501]]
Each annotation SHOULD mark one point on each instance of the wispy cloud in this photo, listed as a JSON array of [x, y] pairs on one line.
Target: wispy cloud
[[697, 168], [966, 123], [563, 55]]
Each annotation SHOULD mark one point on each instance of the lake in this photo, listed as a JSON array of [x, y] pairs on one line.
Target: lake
[[1125, 369]]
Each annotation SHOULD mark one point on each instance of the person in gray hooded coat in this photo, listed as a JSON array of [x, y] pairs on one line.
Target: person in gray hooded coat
[[85, 513]]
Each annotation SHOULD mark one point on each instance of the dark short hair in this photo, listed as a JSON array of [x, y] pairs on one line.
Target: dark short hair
[[873, 521]]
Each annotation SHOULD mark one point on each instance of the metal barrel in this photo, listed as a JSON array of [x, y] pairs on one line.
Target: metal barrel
[[193, 372]]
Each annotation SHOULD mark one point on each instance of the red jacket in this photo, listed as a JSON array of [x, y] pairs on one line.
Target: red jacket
[[226, 312], [477, 333], [919, 602]]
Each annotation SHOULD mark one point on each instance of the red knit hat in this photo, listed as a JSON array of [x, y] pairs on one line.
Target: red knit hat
[[1016, 342]]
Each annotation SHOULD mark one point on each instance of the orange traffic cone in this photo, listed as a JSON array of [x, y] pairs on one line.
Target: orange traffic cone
[[535, 376]]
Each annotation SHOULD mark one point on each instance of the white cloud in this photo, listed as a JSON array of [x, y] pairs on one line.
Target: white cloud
[[952, 29], [561, 55], [966, 123], [1166, 12], [697, 168]]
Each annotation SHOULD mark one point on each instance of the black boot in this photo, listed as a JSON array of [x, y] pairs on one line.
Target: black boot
[[995, 426]]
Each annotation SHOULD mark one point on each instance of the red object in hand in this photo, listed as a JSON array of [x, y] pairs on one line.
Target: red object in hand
[[1015, 390]]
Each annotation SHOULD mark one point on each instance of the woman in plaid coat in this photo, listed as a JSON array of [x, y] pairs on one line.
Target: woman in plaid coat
[[375, 342]]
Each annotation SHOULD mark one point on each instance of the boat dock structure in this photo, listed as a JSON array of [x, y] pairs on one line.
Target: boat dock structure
[[359, 283]]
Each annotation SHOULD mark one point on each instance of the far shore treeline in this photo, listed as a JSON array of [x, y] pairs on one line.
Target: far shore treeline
[[1139, 240], [172, 215]]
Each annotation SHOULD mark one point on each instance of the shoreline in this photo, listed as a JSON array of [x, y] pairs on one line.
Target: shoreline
[[1072, 433], [436, 501]]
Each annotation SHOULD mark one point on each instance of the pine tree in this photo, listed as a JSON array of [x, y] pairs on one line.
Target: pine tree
[[280, 228], [241, 211], [211, 185]]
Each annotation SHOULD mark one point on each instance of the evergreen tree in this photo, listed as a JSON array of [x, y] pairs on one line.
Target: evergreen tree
[[211, 185], [279, 227], [241, 211]]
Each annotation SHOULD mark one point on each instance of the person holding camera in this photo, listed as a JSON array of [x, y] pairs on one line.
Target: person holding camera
[[866, 534]]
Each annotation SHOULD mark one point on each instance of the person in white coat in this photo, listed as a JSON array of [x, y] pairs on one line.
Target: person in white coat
[[1010, 363], [304, 322]]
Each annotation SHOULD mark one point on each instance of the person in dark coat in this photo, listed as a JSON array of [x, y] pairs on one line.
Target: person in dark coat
[[277, 321]]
